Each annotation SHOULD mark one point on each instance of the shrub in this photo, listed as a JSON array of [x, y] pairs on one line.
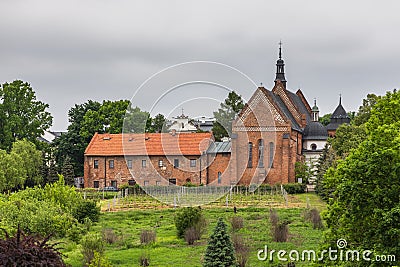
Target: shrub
[[90, 244], [295, 188], [109, 236], [75, 233], [219, 250], [242, 249], [144, 259], [86, 209], [99, 261], [281, 232], [191, 235], [186, 218], [147, 236], [314, 217], [273, 217], [237, 223], [28, 250]]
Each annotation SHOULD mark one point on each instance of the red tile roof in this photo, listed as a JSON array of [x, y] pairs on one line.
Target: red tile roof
[[152, 144]]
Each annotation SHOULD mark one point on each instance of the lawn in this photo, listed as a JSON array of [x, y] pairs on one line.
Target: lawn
[[129, 219]]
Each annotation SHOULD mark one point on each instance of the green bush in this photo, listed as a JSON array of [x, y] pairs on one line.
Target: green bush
[[86, 209], [91, 243], [295, 188], [38, 217], [186, 218]]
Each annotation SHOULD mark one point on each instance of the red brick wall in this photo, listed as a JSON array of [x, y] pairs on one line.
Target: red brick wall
[[152, 173], [219, 163]]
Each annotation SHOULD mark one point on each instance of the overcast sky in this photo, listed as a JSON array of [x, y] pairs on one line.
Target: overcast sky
[[72, 51]]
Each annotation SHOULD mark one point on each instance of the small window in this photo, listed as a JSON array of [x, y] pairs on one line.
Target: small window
[[96, 164], [313, 147], [131, 182], [96, 184], [143, 163], [271, 154], [160, 163], [219, 177], [250, 159], [114, 183], [261, 153], [146, 183], [111, 164], [158, 183], [129, 164], [176, 163], [172, 181], [192, 163]]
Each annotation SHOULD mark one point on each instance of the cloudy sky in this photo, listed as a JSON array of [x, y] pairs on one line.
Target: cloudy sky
[[72, 51]]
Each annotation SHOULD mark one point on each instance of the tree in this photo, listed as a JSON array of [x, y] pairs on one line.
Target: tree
[[303, 171], [157, 124], [31, 161], [22, 116], [219, 252], [326, 119], [364, 111], [136, 121], [12, 171], [72, 144], [108, 118], [365, 207], [68, 171], [232, 105]]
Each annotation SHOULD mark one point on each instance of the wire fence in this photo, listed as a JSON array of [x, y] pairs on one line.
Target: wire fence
[[174, 196]]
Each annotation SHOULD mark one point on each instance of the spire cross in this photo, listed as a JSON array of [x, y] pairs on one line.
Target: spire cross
[[280, 49]]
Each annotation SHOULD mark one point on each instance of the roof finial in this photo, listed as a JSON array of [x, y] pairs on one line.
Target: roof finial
[[340, 99], [315, 101], [182, 112], [280, 49], [261, 84]]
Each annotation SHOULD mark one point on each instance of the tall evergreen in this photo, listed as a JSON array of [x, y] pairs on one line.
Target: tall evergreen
[[220, 252]]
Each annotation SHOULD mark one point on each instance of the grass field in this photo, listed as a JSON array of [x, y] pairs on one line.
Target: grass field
[[130, 216]]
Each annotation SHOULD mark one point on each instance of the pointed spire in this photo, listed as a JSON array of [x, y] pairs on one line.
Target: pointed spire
[[315, 111], [280, 68]]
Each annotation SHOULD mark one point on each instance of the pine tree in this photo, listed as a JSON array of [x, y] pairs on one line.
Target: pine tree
[[68, 171], [220, 252]]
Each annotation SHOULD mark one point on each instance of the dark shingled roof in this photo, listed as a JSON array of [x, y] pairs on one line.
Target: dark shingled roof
[[338, 117], [315, 131], [285, 110], [300, 105]]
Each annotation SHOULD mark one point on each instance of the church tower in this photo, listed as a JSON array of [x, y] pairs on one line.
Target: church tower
[[280, 68]]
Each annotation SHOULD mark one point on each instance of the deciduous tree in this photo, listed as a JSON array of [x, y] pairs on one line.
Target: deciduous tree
[[22, 116], [232, 105]]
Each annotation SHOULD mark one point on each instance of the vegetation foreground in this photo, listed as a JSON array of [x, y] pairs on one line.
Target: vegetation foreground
[[121, 234]]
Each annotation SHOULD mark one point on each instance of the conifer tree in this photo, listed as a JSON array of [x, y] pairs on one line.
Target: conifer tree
[[220, 252], [68, 171]]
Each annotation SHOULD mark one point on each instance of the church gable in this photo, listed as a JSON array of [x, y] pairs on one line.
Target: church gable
[[261, 114]]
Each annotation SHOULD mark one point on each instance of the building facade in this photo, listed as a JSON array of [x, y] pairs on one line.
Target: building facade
[[275, 129]]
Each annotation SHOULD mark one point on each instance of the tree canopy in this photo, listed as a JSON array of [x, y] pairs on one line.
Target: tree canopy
[[232, 105], [21, 115], [365, 205]]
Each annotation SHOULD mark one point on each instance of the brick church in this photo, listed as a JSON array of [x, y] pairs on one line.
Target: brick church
[[275, 129]]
